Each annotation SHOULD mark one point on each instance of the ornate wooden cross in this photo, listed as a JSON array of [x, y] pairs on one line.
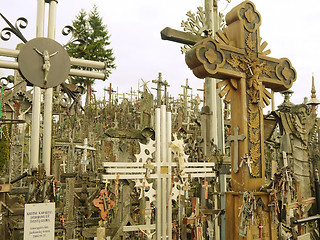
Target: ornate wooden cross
[[237, 56]]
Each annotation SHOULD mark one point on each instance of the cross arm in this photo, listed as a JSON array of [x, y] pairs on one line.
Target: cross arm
[[216, 58], [180, 36]]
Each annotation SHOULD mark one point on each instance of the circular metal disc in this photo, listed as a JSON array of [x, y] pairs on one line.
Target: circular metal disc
[[44, 58]]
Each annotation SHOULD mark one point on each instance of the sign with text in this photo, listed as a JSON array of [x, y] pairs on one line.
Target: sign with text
[[39, 219]]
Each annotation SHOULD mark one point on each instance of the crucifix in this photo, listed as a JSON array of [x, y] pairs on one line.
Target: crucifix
[[206, 186], [44, 63]]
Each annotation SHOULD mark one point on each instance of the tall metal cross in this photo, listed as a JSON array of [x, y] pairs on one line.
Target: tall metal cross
[[44, 63]]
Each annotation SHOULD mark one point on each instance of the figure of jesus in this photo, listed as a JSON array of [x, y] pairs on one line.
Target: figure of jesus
[[46, 62]]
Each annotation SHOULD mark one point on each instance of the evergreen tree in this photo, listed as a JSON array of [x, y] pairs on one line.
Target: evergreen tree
[[90, 28]]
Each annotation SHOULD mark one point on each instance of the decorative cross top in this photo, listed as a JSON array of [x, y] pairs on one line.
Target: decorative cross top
[[237, 53], [237, 56]]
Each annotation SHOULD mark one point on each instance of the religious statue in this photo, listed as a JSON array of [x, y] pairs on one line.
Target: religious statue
[[46, 62]]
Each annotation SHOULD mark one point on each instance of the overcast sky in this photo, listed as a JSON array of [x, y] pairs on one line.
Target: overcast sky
[[290, 28]]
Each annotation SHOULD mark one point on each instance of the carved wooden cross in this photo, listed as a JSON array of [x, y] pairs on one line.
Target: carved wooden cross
[[235, 138], [237, 55]]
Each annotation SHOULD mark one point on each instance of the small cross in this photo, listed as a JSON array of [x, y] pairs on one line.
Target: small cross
[[17, 106], [85, 148], [143, 188], [206, 185], [186, 188], [63, 165], [260, 230], [62, 220], [148, 166], [110, 91], [235, 138]]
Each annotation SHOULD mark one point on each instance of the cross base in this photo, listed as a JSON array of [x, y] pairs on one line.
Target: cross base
[[233, 220]]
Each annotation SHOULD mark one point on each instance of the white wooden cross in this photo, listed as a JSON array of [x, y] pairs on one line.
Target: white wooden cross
[[161, 175], [85, 147]]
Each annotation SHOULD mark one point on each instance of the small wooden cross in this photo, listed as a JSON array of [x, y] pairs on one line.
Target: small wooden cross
[[299, 204], [235, 138], [206, 185], [62, 220], [143, 188], [196, 216], [110, 91], [260, 227], [63, 165], [148, 166]]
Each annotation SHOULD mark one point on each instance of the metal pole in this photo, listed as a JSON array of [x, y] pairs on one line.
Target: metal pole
[[47, 118], [212, 99], [36, 102], [210, 83], [164, 148], [169, 221], [158, 161]]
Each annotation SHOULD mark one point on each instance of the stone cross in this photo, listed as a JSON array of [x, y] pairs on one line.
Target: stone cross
[[235, 138], [237, 55]]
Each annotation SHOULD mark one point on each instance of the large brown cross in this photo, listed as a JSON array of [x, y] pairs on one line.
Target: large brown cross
[[237, 56]]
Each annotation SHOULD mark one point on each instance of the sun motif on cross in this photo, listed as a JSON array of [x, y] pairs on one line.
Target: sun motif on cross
[[250, 65]]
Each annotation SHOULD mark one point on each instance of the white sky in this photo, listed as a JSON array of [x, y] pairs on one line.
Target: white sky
[[290, 28]]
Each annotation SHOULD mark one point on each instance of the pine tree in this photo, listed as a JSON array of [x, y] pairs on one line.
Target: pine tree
[[90, 28]]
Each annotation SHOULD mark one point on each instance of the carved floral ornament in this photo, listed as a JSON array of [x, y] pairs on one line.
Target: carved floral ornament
[[251, 17]]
